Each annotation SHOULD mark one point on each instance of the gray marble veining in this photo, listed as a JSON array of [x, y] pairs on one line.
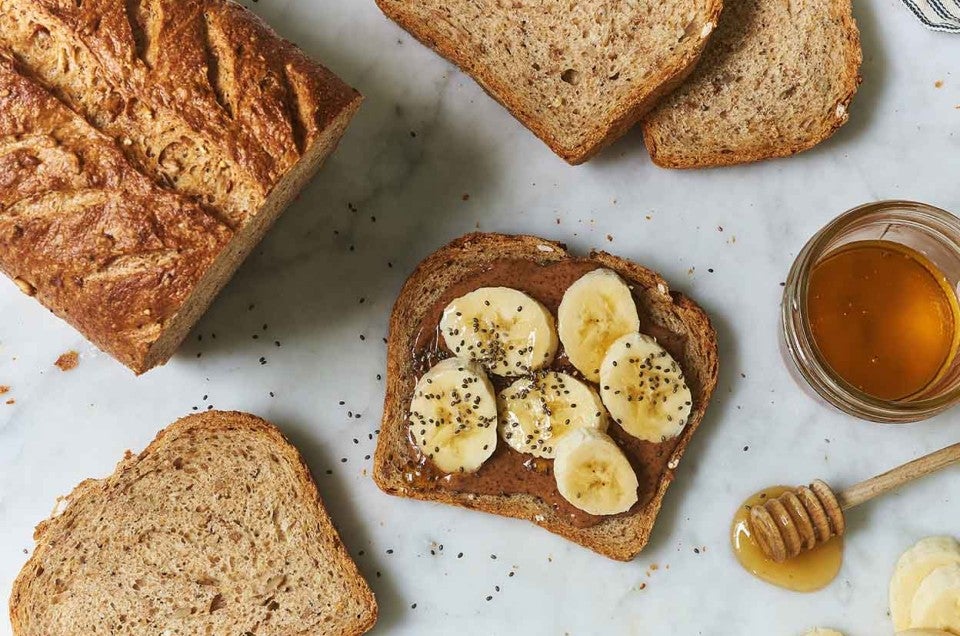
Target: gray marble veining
[[431, 157]]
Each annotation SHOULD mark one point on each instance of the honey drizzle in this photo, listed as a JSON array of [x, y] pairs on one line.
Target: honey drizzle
[[808, 572]]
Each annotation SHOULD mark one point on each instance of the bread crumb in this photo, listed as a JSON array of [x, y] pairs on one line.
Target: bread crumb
[[11, 401], [610, 237], [24, 286], [465, 197], [4, 389], [938, 84], [68, 361]]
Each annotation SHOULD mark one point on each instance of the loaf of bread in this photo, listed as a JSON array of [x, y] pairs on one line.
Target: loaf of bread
[[215, 528], [619, 537], [577, 74], [190, 126]]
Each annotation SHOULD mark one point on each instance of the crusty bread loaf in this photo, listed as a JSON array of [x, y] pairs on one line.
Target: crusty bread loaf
[[215, 528], [87, 233], [577, 74], [776, 78], [621, 537], [201, 98]]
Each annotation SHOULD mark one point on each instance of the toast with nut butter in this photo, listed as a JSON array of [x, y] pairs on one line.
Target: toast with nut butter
[[528, 382]]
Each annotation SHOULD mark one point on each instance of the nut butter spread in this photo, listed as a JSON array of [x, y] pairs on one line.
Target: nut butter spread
[[508, 471]]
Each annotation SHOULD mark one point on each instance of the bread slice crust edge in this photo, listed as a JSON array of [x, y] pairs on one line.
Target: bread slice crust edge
[[620, 538]]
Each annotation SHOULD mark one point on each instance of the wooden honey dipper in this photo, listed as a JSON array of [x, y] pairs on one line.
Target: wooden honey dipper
[[802, 518]]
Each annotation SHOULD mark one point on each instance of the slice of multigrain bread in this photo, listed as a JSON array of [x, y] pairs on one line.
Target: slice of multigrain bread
[[577, 74], [620, 537], [215, 528], [776, 78]]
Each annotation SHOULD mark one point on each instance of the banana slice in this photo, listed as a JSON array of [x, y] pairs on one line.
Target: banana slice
[[536, 413], [923, 632], [936, 605], [593, 474], [453, 416], [506, 331], [916, 563], [596, 310], [822, 631], [643, 388]]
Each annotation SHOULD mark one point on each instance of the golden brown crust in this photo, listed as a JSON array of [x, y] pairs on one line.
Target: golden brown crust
[[203, 423], [850, 81], [623, 117], [98, 243], [192, 125], [619, 538], [200, 94]]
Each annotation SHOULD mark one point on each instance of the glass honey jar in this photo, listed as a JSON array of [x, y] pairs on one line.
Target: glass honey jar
[[870, 317]]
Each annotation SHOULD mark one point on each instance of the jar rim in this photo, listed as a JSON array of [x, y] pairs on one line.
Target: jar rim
[[797, 333]]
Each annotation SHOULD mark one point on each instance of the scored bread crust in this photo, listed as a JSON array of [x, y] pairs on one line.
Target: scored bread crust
[[621, 119], [666, 155], [620, 538], [194, 105], [49, 534]]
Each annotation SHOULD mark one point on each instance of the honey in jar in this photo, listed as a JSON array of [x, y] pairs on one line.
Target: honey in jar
[[883, 317]]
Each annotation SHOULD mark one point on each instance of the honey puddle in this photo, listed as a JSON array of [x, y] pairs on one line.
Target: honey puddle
[[809, 571]]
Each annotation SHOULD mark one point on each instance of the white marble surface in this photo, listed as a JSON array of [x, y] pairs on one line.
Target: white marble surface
[[426, 137]]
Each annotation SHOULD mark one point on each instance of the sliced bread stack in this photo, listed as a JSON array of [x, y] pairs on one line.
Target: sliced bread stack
[[215, 528], [774, 77]]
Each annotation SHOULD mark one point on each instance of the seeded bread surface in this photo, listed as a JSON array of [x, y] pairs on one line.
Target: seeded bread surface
[[620, 538], [199, 97], [776, 78], [215, 528], [577, 74]]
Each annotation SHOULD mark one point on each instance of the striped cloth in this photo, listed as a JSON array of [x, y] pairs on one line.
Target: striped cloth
[[939, 15]]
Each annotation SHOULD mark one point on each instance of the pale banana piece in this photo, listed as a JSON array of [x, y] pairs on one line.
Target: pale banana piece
[[505, 330], [936, 605], [595, 310], [643, 388], [924, 632], [453, 416], [593, 474], [913, 565], [537, 412], [822, 631]]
